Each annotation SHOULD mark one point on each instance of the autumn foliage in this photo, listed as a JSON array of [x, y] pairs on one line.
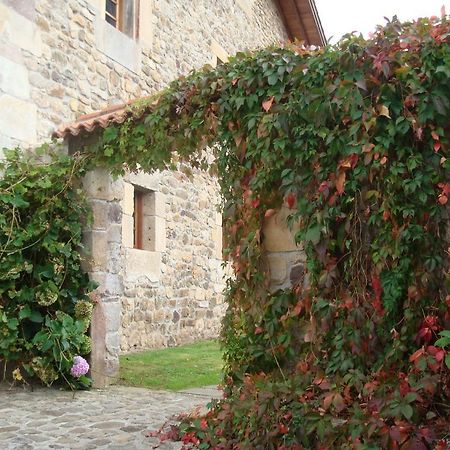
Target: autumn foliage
[[354, 140]]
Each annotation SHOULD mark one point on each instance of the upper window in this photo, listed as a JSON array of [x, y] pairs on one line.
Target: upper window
[[122, 14]]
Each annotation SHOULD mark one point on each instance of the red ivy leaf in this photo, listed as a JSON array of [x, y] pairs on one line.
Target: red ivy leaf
[[416, 355], [291, 200], [340, 182]]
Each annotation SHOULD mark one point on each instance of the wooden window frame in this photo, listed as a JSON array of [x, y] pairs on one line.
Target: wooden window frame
[[138, 219], [119, 18], [116, 17]]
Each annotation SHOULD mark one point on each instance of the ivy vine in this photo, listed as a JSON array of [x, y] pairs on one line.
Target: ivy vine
[[353, 139]]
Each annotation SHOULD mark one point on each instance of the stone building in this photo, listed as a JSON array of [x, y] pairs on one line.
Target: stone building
[[155, 244]]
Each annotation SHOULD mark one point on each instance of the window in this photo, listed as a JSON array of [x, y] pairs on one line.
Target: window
[[138, 219], [122, 14], [143, 218]]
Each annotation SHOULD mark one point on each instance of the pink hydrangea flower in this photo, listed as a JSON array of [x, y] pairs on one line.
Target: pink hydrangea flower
[[80, 367]]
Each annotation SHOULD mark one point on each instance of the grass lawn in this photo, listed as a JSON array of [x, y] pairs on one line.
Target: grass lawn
[[174, 369]]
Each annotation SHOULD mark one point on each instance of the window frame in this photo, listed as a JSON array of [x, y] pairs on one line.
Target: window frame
[[119, 18], [138, 219], [115, 17]]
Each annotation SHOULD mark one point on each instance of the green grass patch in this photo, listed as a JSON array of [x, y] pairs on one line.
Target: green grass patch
[[174, 369]]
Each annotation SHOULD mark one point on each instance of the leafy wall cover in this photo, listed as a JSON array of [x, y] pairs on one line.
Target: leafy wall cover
[[354, 140]]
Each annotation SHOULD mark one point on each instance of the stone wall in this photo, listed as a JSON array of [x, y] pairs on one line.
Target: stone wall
[[173, 291], [60, 59]]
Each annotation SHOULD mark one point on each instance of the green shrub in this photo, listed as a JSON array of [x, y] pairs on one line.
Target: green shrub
[[45, 309]]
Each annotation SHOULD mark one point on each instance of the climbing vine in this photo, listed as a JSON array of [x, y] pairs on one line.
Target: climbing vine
[[44, 307], [353, 140]]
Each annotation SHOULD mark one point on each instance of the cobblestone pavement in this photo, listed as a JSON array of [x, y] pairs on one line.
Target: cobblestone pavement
[[114, 418]]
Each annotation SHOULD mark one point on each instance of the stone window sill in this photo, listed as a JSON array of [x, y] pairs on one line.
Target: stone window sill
[[117, 45], [142, 263]]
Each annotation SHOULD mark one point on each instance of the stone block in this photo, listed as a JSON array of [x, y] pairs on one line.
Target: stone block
[[278, 237], [114, 213], [128, 199], [113, 343], [117, 45], [112, 367], [18, 118], [25, 8], [154, 204], [14, 79], [146, 22], [142, 263], [98, 353], [277, 268], [217, 239], [100, 210], [218, 51], [115, 233], [113, 285], [297, 275], [127, 231], [218, 219], [96, 250], [143, 180], [113, 316], [96, 4], [96, 184], [20, 31], [154, 234]]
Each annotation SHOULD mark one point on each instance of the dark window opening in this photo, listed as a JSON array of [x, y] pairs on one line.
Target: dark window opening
[[138, 219], [111, 12]]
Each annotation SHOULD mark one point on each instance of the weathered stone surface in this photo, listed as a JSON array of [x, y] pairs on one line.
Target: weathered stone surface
[[297, 274], [127, 231], [277, 236], [14, 79], [18, 118], [128, 199], [277, 267], [96, 184], [142, 263], [154, 233], [156, 206], [98, 336], [115, 418], [96, 245], [29, 37]]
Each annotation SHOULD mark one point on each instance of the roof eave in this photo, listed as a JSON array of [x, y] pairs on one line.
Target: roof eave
[[302, 21]]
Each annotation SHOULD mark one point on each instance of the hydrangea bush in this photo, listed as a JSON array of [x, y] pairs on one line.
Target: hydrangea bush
[[45, 309]]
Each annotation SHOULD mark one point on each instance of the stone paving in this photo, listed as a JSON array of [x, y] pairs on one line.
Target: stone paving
[[114, 418]]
